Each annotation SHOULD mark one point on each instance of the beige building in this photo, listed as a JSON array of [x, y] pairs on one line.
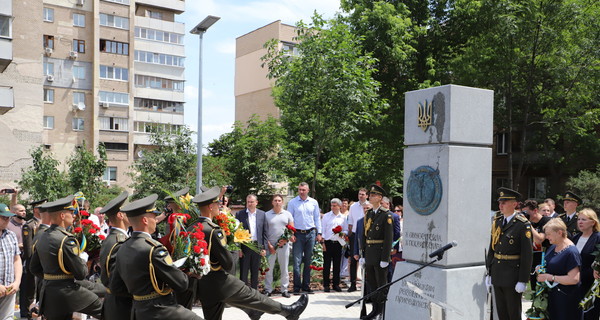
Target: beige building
[[252, 87], [99, 71]]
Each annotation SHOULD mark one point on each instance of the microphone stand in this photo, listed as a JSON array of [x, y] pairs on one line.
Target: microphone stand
[[385, 286]]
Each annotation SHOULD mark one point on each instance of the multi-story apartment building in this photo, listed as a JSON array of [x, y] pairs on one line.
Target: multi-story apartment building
[[93, 71]]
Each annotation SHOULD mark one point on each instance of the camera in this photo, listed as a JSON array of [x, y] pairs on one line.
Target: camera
[[8, 191], [229, 189]]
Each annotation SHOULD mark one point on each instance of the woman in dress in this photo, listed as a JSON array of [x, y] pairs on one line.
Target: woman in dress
[[586, 242], [563, 263]]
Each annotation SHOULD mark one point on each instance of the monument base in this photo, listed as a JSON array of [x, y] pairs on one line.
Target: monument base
[[462, 289]]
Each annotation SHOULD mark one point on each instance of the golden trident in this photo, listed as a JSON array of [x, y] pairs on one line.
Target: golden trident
[[425, 112]]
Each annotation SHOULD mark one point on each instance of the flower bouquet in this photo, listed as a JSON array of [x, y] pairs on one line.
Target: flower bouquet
[[264, 265], [287, 235], [338, 235], [89, 241], [539, 296], [190, 251], [234, 232], [590, 297], [317, 257]]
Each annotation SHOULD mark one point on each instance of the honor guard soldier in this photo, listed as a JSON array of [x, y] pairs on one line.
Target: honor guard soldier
[[509, 256], [218, 287], [116, 306], [376, 246], [27, 289], [145, 269], [569, 217], [56, 259]]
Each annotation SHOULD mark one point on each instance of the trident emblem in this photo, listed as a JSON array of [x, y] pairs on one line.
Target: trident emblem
[[425, 114]]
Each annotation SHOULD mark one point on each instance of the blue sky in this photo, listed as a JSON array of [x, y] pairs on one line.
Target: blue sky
[[238, 17]]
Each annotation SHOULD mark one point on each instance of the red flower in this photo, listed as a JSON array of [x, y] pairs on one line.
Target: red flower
[[337, 229], [84, 213], [77, 230], [85, 222], [92, 230], [290, 227], [197, 249], [202, 261], [95, 226], [102, 237]]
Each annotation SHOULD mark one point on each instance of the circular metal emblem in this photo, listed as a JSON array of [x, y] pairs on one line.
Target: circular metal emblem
[[424, 190]]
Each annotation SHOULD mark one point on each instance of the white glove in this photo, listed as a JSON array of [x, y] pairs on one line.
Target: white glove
[[383, 264], [520, 287], [361, 261], [84, 256], [488, 282]]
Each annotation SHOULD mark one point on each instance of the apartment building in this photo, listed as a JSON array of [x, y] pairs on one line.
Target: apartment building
[[100, 71]]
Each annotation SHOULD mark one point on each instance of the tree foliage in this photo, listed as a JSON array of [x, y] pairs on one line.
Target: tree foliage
[[86, 171], [43, 179], [587, 184]]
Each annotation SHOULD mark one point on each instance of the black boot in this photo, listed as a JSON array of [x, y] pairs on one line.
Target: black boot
[[293, 311], [253, 314], [373, 314]]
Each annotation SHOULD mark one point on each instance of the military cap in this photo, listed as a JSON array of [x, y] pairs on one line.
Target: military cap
[[4, 211], [569, 195], [114, 205], [141, 206], [375, 189], [508, 194], [204, 188], [207, 197], [37, 203], [61, 204], [177, 194]]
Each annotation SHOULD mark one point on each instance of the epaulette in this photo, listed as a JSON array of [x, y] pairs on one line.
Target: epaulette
[[521, 218], [562, 215], [153, 242], [65, 232], [121, 237], [211, 223]]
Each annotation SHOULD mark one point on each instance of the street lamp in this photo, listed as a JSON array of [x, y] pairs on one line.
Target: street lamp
[[200, 29]]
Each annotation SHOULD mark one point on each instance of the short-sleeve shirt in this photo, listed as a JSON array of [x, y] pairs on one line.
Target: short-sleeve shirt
[[276, 224], [561, 263], [9, 248]]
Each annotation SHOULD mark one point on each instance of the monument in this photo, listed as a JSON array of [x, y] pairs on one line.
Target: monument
[[447, 190]]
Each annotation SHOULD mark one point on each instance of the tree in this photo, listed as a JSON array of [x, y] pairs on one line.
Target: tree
[[587, 184], [326, 95], [43, 179], [250, 156], [86, 170], [169, 165]]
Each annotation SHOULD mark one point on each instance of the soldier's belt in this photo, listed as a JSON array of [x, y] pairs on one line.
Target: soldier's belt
[[150, 296], [507, 256], [57, 276], [374, 241]]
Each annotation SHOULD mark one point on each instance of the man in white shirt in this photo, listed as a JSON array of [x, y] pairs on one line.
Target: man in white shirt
[[332, 249], [253, 220], [276, 221], [356, 213]]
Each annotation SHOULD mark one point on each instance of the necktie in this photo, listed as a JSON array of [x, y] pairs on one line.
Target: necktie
[[504, 222]]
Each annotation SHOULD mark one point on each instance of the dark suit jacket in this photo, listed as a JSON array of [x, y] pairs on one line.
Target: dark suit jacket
[[242, 216], [397, 230], [360, 233], [587, 274]]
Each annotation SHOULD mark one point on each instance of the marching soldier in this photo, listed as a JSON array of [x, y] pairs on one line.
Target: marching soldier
[[145, 269], [376, 246], [218, 287], [116, 306], [29, 229], [569, 217], [56, 259], [509, 256]]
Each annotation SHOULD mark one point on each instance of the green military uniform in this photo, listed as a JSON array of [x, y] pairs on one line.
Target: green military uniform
[[572, 229], [56, 259], [38, 281], [509, 258], [27, 288], [116, 306], [218, 287], [377, 246], [145, 269]]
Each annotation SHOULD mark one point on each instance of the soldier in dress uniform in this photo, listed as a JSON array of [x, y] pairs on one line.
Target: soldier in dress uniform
[[27, 289], [56, 259], [218, 287], [376, 246], [145, 269], [509, 256], [569, 217], [116, 306]]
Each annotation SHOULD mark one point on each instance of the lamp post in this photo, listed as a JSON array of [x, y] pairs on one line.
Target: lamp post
[[200, 29]]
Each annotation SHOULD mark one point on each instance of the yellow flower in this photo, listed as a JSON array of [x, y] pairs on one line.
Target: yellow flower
[[242, 236], [186, 200]]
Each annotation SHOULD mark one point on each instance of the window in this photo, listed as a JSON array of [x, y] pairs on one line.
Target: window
[[49, 95], [116, 124], [114, 47], [157, 35], [78, 20], [78, 124], [289, 49], [142, 81], [502, 143], [116, 146], [79, 97], [79, 72], [114, 73], [158, 105], [48, 68], [79, 45], [114, 97], [48, 122], [48, 14], [537, 187], [118, 1], [148, 127], [109, 20], [5, 26], [159, 58], [154, 14], [110, 174], [48, 41]]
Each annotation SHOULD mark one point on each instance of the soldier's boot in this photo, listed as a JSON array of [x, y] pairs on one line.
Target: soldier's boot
[[254, 314], [293, 312], [374, 313]]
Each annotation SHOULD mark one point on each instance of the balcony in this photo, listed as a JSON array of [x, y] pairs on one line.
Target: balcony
[[176, 5], [7, 100], [6, 53]]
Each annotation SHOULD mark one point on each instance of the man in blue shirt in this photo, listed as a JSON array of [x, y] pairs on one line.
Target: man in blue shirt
[[307, 220]]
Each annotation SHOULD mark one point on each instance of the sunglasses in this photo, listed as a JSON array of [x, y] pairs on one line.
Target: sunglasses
[[397, 210]]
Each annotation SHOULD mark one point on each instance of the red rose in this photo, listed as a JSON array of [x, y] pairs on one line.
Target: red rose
[[197, 249], [102, 237], [84, 213], [202, 261], [85, 222], [77, 230], [95, 226], [92, 230], [290, 227], [337, 229]]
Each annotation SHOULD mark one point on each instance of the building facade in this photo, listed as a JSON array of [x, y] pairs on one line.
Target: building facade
[[90, 71]]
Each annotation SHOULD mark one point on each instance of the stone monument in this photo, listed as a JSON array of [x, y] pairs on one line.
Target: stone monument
[[447, 190]]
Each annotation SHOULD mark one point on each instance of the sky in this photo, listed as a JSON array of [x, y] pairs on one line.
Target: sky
[[238, 17]]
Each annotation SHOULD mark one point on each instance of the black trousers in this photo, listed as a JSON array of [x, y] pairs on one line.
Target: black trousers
[[376, 277], [508, 303], [332, 252], [27, 290], [353, 262], [250, 263]]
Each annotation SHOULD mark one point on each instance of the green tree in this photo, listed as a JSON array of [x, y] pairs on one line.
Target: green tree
[[43, 179], [587, 184], [250, 157], [169, 165], [328, 100], [86, 170]]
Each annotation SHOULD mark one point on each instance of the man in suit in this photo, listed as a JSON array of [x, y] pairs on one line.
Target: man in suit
[[27, 294], [569, 217], [252, 219]]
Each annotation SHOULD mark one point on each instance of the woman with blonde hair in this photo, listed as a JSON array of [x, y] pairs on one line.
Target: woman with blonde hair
[[563, 263], [586, 242]]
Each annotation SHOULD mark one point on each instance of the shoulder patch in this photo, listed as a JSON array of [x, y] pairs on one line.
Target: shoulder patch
[[528, 234], [71, 242], [389, 220], [162, 253]]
